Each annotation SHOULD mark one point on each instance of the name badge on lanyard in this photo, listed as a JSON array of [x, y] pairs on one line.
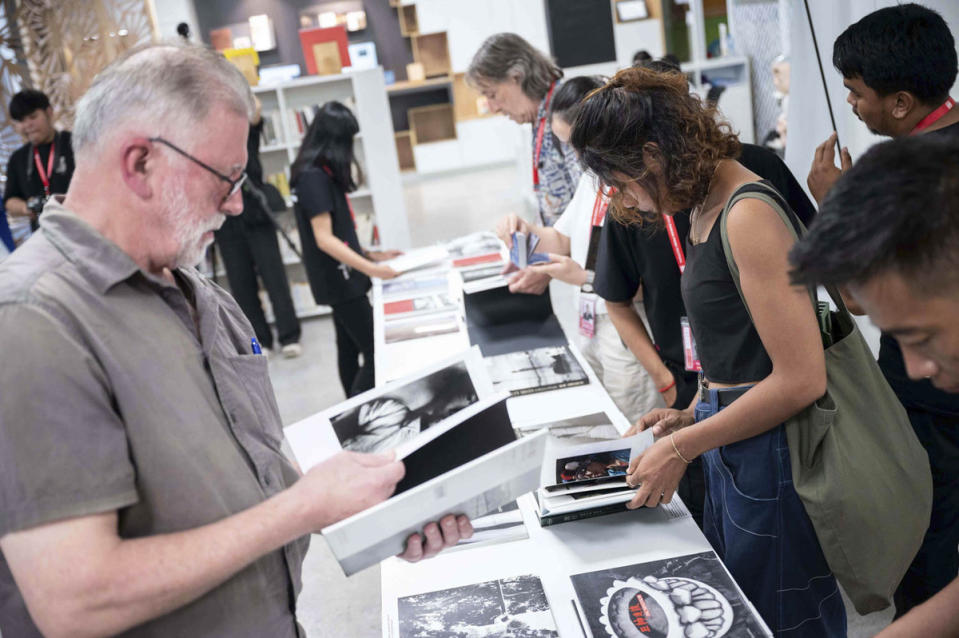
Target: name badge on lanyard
[[587, 298], [690, 355], [45, 175]]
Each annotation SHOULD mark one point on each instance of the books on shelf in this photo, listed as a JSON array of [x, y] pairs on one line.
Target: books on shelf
[[272, 132], [586, 480]]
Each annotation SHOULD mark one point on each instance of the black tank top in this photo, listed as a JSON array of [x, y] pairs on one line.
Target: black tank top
[[728, 345]]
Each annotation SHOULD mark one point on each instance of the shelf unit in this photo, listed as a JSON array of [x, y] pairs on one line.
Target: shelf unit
[[379, 201]]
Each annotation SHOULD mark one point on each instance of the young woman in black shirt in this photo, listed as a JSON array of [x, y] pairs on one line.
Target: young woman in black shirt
[[664, 152], [337, 267]]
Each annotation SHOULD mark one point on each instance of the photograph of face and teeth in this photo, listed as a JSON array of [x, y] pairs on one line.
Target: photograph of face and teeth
[[690, 595], [539, 370], [400, 413], [509, 607]]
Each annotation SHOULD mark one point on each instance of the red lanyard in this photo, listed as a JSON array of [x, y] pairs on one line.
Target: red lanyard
[[935, 116], [349, 204], [675, 243], [540, 130], [45, 175], [599, 209]]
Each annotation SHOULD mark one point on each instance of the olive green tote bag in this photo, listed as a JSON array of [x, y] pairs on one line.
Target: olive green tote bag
[[857, 465]]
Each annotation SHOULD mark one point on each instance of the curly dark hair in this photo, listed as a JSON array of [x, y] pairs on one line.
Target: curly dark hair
[[642, 113]]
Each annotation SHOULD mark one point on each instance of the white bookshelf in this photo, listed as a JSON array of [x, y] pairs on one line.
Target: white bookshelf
[[378, 200]]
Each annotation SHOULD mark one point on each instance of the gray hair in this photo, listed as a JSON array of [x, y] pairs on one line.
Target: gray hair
[[163, 86], [507, 55]]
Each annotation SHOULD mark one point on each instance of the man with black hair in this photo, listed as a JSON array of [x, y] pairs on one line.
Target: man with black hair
[[899, 64], [44, 165], [888, 234]]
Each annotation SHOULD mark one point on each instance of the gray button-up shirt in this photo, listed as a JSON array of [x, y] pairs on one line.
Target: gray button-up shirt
[[114, 397]]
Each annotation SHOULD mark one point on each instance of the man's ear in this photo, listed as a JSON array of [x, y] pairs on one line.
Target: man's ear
[[903, 104], [138, 161]]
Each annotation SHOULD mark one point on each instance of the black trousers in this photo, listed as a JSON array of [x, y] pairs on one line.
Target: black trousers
[[937, 562], [353, 322], [250, 250]]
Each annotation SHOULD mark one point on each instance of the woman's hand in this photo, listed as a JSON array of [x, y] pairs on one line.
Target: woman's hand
[[382, 271], [657, 471], [662, 421], [562, 267], [509, 224], [530, 281], [382, 255]]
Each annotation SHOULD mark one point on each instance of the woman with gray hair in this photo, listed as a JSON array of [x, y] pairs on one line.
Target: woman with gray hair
[[519, 81]]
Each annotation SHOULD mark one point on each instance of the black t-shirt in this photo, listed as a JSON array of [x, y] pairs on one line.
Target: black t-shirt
[[23, 179], [921, 395], [630, 255], [331, 282]]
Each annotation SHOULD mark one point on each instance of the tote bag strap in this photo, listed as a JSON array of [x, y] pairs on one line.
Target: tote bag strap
[[769, 196]]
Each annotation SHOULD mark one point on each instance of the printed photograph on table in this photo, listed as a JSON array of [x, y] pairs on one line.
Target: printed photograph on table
[[482, 272], [503, 525], [481, 243], [414, 286], [385, 421], [513, 607], [421, 327], [415, 306], [689, 595], [592, 466], [539, 370]]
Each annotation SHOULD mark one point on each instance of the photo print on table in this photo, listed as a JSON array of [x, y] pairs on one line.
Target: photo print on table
[[417, 306], [499, 526], [481, 243], [403, 412], [420, 327], [514, 607], [689, 595], [483, 272], [539, 370], [592, 466]]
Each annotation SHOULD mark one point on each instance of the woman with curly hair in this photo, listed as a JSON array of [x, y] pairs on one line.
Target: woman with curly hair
[[762, 362]]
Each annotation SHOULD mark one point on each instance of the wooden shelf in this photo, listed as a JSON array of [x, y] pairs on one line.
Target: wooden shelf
[[404, 150], [467, 100], [432, 123], [433, 52], [421, 85], [409, 25]]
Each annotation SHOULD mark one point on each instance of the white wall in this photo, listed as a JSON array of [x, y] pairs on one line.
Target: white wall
[[808, 116], [170, 13]]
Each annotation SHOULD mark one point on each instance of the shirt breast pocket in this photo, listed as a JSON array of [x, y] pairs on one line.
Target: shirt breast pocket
[[252, 371]]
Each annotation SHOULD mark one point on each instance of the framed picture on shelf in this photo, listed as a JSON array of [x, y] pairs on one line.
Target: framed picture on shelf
[[326, 51], [631, 10]]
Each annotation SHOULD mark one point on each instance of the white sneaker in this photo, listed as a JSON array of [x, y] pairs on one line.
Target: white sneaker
[[291, 350]]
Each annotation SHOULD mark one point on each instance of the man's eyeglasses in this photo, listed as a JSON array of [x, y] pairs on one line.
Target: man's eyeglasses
[[235, 184]]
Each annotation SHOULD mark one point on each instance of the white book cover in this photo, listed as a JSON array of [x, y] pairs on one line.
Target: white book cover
[[401, 415], [440, 481]]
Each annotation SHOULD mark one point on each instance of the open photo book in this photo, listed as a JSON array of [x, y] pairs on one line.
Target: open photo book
[[455, 439]]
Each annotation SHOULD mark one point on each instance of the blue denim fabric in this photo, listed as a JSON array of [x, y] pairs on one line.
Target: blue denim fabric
[[757, 524]]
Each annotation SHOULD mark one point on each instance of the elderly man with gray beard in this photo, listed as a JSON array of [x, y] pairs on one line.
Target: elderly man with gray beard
[[142, 483]]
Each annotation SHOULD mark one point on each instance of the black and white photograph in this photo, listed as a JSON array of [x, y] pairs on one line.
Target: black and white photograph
[[481, 243], [383, 422], [514, 607], [502, 525], [585, 467], [578, 430], [690, 595], [407, 287], [540, 370], [421, 327], [482, 272]]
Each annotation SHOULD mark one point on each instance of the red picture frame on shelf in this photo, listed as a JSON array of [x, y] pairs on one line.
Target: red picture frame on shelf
[[324, 38]]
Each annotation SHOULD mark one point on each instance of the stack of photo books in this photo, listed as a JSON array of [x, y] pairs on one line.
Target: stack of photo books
[[585, 481]]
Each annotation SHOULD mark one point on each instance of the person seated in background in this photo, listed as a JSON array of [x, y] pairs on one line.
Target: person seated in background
[[888, 235], [520, 82], [639, 258], [337, 267], [760, 366], [572, 244], [899, 64], [142, 482], [44, 165], [250, 249]]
